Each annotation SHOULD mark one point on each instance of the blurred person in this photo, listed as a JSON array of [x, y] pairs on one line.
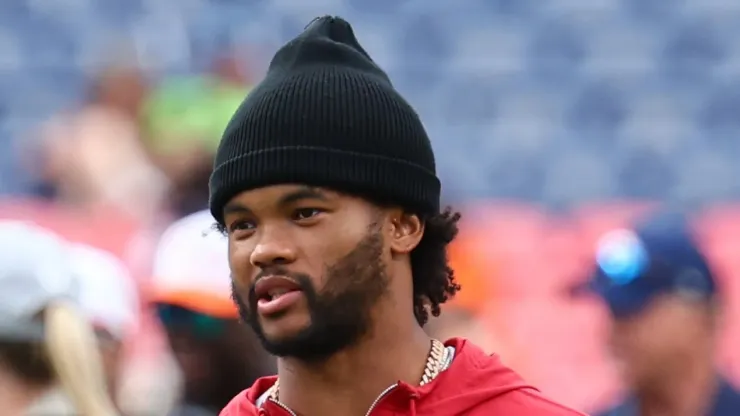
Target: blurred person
[[94, 156], [184, 118], [325, 186], [664, 301], [48, 358], [109, 300], [192, 298]]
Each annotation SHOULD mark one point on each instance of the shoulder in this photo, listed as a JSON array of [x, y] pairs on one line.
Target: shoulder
[[240, 406], [524, 402], [481, 384], [244, 403]]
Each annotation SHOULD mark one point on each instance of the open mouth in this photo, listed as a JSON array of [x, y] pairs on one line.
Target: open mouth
[[276, 294]]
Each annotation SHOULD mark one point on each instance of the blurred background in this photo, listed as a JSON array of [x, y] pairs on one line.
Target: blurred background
[[553, 121]]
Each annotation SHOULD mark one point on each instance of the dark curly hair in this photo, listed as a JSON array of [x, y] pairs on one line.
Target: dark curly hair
[[434, 280]]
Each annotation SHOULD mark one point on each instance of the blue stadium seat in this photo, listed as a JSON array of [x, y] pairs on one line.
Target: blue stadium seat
[[719, 112], [645, 174], [599, 108], [422, 40], [574, 175], [556, 51], [380, 7], [467, 100], [705, 175], [652, 12], [692, 51]]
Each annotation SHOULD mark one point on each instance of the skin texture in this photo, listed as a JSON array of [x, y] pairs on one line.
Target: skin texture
[[351, 260]]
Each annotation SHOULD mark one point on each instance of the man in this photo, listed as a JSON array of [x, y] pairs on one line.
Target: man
[[325, 185], [663, 299], [191, 295]]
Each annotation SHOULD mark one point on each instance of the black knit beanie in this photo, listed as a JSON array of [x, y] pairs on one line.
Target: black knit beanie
[[326, 115]]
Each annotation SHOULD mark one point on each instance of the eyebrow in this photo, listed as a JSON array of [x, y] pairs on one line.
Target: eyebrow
[[290, 198], [305, 192], [236, 208]]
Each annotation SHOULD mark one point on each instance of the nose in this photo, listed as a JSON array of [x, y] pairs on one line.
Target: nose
[[273, 248]]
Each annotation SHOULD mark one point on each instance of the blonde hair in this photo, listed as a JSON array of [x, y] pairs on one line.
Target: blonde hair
[[72, 350]]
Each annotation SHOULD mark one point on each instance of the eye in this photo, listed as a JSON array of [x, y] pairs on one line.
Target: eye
[[240, 225], [306, 213]]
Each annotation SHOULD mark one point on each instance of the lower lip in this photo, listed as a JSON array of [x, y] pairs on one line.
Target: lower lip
[[283, 302]]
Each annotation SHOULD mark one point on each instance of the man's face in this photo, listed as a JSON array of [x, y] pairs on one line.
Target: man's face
[[307, 267], [650, 343]]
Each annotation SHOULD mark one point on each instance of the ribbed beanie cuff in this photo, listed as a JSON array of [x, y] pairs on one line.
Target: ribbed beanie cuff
[[395, 180]]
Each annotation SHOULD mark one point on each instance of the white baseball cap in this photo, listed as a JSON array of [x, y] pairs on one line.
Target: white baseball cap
[[191, 268], [34, 271], [108, 295]]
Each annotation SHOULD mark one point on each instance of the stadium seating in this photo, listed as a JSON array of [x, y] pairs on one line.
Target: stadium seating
[[553, 101]]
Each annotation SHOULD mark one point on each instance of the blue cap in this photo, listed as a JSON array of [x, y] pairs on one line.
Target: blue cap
[[657, 256]]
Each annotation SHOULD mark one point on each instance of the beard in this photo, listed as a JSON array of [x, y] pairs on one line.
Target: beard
[[340, 314]]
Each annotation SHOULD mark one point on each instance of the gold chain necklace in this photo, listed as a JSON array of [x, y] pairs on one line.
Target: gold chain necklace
[[436, 360]]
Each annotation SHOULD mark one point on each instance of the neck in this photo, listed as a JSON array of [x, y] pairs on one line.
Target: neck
[[687, 390], [348, 382], [16, 396]]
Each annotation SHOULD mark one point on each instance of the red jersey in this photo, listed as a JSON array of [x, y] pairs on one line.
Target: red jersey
[[475, 384]]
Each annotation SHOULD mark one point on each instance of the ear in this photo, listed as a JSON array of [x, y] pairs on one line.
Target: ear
[[406, 231]]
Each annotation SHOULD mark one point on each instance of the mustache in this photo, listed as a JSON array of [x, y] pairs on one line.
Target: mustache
[[274, 271]]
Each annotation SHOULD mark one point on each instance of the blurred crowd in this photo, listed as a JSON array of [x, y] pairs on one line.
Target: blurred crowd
[[122, 177], [140, 149], [117, 172]]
